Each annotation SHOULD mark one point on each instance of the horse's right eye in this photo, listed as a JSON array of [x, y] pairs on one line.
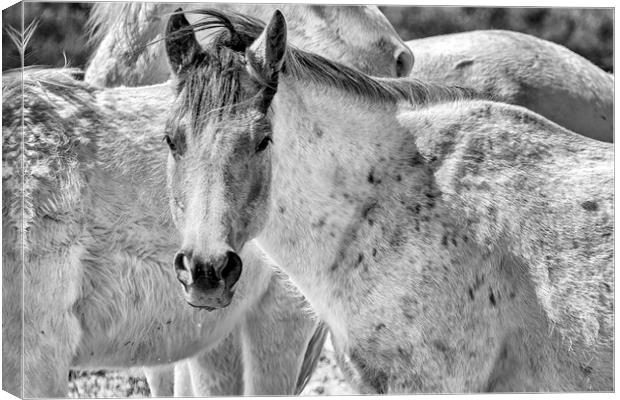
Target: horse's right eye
[[170, 143]]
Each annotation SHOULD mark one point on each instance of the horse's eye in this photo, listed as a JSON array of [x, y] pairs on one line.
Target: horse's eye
[[170, 143], [263, 144]]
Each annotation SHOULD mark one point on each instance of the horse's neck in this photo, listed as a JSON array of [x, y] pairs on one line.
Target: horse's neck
[[333, 162]]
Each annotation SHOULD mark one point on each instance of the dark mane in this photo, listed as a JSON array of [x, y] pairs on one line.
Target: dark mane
[[240, 31]]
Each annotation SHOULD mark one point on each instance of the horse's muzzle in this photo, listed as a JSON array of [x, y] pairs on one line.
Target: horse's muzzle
[[208, 285]]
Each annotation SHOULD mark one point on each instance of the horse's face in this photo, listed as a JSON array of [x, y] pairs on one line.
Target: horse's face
[[219, 166], [359, 36]]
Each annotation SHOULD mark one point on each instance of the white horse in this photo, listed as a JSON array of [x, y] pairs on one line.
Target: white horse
[[130, 54], [524, 70], [87, 250], [451, 244]]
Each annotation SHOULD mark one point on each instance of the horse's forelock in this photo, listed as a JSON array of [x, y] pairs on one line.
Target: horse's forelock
[[242, 29]]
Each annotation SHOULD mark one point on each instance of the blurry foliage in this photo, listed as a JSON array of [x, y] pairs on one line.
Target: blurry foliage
[[60, 30], [588, 32]]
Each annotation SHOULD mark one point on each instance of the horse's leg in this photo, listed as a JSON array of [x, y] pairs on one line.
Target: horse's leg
[[12, 310], [160, 380], [276, 335], [182, 380], [218, 371], [51, 330]]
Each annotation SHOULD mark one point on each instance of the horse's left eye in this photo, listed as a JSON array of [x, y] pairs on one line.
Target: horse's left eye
[[263, 144]]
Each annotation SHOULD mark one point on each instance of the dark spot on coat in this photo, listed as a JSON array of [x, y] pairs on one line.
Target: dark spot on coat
[[444, 240], [379, 326], [586, 369], [441, 346], [374, 252], [589, 205], [368, 207], [281, 209], [414, 209], [371, 176], [512, 295], [454, 241], [319, 223], [417, 159], [604, 118], [463, 63], [318, 132], [168, 322], [465, 238], [408, 314], [471, 293], [360, 258], [492, 299], [430, 199], [399, 178]]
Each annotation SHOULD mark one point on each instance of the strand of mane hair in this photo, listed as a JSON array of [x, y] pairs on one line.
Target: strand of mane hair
[[244, 30]]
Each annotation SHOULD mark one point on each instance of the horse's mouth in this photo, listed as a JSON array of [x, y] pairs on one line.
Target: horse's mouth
[[207, 308], [208, 299]]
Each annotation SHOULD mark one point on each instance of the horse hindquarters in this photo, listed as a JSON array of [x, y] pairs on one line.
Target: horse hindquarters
[[523, 70]]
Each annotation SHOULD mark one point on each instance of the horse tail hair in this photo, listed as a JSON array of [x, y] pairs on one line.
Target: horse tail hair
[[311, 358]]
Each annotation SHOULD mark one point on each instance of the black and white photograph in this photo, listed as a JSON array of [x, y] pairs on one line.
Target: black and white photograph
[[303, 199]]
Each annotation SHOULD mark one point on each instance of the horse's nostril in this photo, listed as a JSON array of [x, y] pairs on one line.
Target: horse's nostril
[[180, 262], [182, 268], [231, 269], [404, 63]]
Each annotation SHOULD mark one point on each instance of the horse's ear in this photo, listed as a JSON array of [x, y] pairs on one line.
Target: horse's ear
[[182, 47], [266, 55]]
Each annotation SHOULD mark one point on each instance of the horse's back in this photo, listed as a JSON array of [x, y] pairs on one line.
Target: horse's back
[[56, 111], [523, 70]]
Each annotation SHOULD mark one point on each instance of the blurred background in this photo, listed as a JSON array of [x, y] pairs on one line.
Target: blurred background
[[588, 32]]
